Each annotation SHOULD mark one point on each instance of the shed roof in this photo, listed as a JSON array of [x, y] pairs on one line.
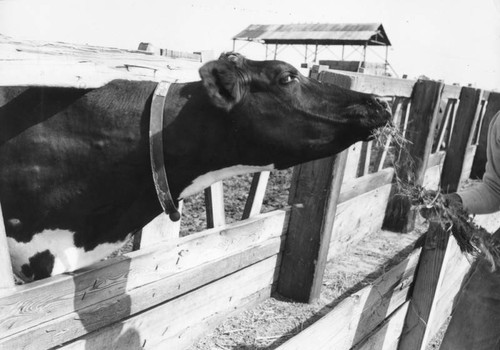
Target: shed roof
[[319, 33]]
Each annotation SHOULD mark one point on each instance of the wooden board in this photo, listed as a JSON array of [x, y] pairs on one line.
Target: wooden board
[[36, 63], [351, 168], [451, 91], [214, 205], [387, 336], [492, 108], [467, 113], [108, 311], [356, 187], [32, 304], [374, 84], [253, 205], [170, 325], [358, 315], [432, 175], [428, 281], [313, 196], [456, 267], [467, 164], [426, 95], [357, 218]]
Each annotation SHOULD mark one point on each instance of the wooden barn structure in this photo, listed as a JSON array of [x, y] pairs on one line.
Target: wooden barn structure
[[314, 38], [175, 289]]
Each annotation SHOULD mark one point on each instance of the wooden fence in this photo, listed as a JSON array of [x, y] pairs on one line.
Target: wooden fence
[[404, 308], [174, 289]]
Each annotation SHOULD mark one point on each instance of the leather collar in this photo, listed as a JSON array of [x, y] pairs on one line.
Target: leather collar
[[156, 126]]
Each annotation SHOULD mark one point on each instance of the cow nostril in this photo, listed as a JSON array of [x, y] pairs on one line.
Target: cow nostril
[[382, 103]]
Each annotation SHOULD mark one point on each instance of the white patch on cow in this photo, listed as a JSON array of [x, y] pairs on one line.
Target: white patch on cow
[[60, 243], [205, 180]]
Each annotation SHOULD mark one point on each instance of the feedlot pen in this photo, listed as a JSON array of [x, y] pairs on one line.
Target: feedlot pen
[[173, 290]]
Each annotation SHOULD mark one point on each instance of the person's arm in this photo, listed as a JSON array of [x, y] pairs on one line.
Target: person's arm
[[484, 198]]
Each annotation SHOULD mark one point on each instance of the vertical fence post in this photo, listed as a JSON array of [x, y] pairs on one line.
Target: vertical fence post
[[415, 334], [426, 94], [6, 275], [432, 263], [465, 119], [479, 164], [256, 194], [214, 204], [313, 197]]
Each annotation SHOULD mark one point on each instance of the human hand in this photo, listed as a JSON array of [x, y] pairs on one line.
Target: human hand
[[440, 205]]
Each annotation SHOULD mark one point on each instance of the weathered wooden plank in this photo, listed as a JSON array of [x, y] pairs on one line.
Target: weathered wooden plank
[[28, 305], [420, 130], [379, 85], [444, 126], [256, 194], [357, 218], [214, 205], [386, 337], [358, 186], [7, 276], [468, 159], [109, 311], [169, 323], [353, 156], [313, 196], [456, 266], [432, 175], [366, 153], [428, 280], [479, 163], [358, 315], [465, 119], [451, 91], [436, 159]]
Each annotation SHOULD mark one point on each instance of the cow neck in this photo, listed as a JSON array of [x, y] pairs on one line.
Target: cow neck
[[157, 124]]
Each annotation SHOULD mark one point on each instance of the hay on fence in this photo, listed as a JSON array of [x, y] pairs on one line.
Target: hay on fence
[[436, 206]]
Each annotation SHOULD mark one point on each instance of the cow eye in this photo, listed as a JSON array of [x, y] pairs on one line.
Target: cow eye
[[288, 78]]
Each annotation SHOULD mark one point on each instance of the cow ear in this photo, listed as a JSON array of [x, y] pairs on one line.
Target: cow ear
[[220, 79]]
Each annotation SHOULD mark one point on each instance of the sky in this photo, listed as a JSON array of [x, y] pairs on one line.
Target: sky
[[454, 40]]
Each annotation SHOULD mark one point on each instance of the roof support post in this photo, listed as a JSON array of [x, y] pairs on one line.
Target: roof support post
[[234, 45], [275, 51], [343, 47], [305, 55], [386, 63], [267, 48], [316, 53], [364, 54]]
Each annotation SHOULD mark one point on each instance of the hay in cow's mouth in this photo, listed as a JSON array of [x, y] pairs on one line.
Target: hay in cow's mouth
[[471, 238]]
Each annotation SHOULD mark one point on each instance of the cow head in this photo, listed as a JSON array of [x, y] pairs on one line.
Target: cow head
[[284, 118]]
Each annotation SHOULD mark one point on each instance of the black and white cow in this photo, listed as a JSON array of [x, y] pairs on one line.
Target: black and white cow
[[75, 174]]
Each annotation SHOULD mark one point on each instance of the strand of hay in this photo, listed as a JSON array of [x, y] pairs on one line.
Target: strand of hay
[[471, 238]]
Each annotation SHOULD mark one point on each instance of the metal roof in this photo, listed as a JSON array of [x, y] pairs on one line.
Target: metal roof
[[319, 33]]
